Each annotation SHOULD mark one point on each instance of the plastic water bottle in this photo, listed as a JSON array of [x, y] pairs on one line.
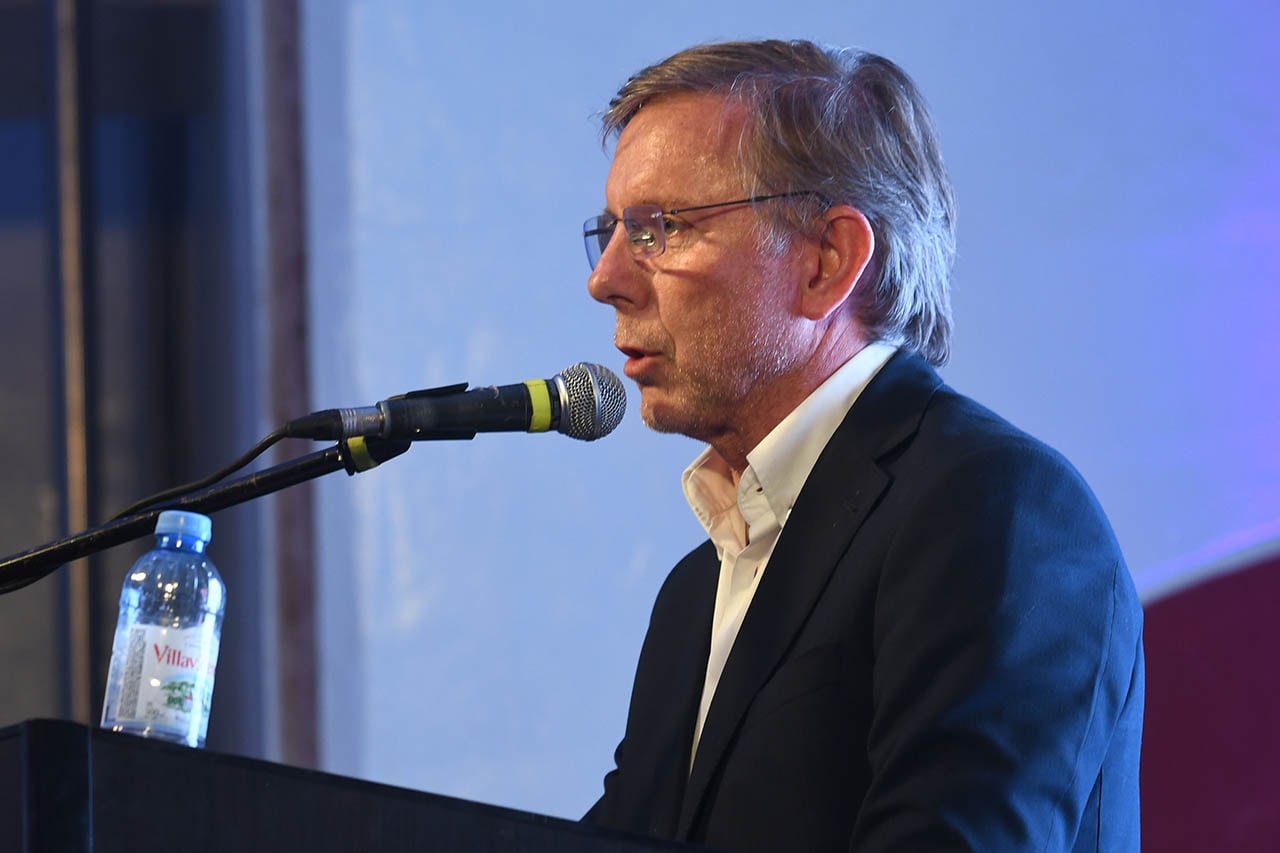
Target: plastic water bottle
[[166, 646]]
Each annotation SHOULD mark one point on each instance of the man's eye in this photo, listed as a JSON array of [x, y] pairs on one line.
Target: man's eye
[[671, 226]]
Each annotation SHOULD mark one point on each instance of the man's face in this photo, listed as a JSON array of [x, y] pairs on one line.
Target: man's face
[[711, 325]]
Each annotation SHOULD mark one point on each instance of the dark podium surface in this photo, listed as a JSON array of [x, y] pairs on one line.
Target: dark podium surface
[[68, 787]]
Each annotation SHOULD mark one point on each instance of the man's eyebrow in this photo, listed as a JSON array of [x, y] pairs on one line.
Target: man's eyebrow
[[607, 212], [676, 203]]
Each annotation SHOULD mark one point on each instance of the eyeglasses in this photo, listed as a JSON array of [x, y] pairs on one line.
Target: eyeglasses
[[647, 225]]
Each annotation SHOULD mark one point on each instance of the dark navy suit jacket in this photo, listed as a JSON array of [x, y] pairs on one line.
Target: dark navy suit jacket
[[944, 653]]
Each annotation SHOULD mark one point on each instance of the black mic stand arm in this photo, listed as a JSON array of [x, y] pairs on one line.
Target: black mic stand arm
[[353, 454]]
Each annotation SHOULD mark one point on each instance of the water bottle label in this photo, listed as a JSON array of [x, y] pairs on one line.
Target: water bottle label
[[168, 677]]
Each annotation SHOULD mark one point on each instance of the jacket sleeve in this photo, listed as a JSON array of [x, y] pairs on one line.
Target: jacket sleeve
[[1008, 664]]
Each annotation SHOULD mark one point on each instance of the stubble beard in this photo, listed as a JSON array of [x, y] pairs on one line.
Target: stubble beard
[[715, 396]]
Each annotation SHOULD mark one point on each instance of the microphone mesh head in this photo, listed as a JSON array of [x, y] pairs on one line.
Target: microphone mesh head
[[595, 401]]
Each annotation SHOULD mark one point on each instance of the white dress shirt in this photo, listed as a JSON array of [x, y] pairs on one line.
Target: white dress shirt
[[744, 523]]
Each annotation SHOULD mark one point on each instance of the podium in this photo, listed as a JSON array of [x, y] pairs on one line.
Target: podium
[[68, 788]]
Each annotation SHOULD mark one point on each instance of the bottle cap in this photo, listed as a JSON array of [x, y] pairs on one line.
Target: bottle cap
[[190, 523]]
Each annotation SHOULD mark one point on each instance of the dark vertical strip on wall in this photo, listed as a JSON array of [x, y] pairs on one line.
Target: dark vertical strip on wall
[[70, 47], [289, 385]]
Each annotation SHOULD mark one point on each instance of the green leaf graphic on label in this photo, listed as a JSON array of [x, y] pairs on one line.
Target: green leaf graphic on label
[[180, 695]]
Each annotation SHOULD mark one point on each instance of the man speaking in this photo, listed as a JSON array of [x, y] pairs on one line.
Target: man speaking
[[911, 627]]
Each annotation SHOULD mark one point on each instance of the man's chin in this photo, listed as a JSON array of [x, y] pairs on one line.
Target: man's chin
[[658, 424], [665, 417]]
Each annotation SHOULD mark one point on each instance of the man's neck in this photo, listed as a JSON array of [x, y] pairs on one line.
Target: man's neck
[[772, 405]]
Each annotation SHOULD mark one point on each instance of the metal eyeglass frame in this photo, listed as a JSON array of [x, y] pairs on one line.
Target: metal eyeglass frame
[[646, 230]]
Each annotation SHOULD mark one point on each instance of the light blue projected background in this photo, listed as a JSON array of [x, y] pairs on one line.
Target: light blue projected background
[[483, 603]]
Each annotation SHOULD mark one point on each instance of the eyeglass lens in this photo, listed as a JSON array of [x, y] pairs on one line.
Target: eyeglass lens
[[643, 224]]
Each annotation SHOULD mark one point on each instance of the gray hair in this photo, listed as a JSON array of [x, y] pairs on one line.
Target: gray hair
[[852, 127]]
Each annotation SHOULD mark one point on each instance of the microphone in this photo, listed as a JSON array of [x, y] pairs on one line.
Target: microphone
[[585, 401]]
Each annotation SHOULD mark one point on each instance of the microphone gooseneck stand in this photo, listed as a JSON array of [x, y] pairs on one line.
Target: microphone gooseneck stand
[[354, 455]]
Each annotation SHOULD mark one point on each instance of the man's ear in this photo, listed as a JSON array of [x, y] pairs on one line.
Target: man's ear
[[844, 253]]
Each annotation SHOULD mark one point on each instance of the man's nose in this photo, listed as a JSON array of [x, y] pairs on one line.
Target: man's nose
[[618, 279]]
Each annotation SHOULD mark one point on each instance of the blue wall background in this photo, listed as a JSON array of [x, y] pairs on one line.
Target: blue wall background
[[483, 603]]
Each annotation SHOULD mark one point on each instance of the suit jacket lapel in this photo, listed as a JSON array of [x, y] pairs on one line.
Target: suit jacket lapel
[[843, 487]]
